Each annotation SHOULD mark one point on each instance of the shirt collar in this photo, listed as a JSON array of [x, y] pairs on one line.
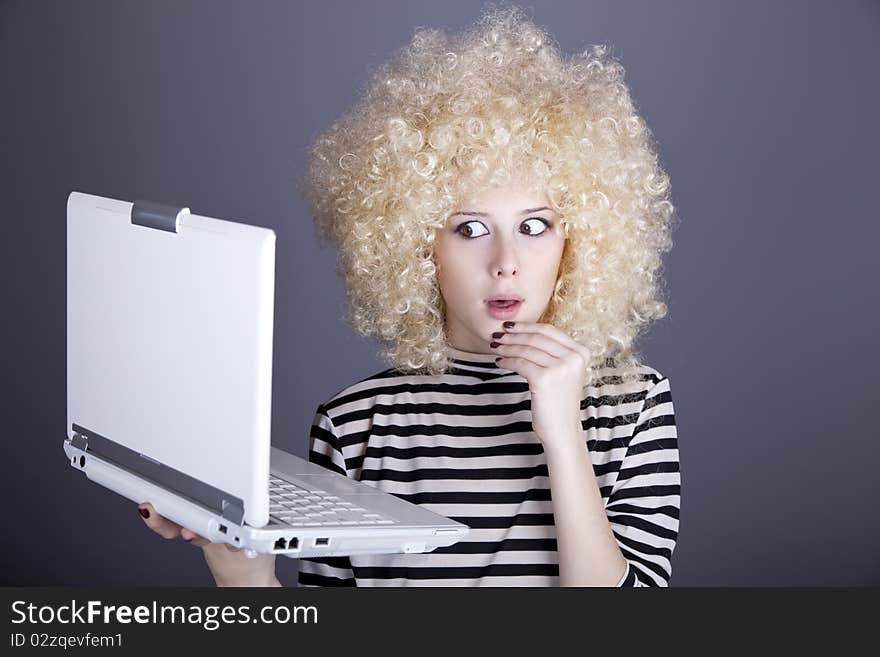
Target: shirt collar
[[475, 362]]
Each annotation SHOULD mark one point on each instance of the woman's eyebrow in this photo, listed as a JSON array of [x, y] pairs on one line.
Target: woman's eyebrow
[[486, 214]]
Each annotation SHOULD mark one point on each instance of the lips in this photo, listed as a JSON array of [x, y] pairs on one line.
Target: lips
[[504, 296], [503, 309]]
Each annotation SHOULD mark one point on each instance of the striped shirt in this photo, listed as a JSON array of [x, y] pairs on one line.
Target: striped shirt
[[461, 444]]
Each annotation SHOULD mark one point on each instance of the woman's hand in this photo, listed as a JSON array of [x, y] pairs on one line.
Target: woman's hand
[[228, 564], [556, 368]]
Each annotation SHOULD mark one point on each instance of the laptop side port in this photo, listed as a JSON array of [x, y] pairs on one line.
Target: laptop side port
[[319, 542], [286, 544]]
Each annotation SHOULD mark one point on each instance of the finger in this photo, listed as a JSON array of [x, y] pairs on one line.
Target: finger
[[537, 340], [524, 351], [550, 331], [192, 538], [520, 365], [159, 524]]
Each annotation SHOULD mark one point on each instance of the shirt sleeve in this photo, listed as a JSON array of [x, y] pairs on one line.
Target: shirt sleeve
[[325, 449], [644, 502]]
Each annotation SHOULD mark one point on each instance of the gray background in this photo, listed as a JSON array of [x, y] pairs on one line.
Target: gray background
[[766, 116]]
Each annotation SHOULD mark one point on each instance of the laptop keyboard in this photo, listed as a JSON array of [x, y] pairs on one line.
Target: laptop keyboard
[[297, 506]]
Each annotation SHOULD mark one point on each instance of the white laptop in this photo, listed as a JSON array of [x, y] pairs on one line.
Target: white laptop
[[169, 389]]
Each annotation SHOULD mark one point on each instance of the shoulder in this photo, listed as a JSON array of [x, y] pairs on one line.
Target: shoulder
[[625, 389], [381, 387], [636, 378]]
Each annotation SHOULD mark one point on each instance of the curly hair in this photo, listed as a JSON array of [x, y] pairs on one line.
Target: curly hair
[[449, 115]]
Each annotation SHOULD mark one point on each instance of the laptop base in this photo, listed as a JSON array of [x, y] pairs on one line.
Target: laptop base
[[276, 537]]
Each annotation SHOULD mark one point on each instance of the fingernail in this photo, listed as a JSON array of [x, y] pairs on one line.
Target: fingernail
[[493, 344], [508, 324], [498, 335], [187, 539], [144, 512]]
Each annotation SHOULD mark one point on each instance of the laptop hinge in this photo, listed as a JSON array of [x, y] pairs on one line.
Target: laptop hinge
[[157, 215], [80, 442], [229, 506]]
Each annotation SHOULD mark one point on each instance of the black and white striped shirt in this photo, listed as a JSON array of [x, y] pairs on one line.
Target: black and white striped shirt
[[461, 444]]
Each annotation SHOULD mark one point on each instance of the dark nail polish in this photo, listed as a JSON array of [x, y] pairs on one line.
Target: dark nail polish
[[493, 344], [508, 324], [144, 513], [497, 335]]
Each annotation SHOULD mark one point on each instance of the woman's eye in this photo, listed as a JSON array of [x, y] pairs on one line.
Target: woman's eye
[[539, 226], [467, 230]]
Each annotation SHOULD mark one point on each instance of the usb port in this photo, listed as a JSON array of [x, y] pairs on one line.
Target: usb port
[[322, 541]]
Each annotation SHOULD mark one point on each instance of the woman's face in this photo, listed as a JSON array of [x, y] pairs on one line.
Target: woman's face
[[503, 242]]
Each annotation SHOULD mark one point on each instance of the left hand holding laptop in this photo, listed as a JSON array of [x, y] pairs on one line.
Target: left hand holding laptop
[[228, 564]]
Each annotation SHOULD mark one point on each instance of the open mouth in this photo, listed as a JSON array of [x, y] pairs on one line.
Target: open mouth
[[503, 308]]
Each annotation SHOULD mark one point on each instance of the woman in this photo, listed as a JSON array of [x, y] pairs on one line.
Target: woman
[[500, 217]]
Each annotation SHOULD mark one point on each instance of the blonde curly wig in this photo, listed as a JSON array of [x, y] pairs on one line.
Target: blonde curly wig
[[448, 115]]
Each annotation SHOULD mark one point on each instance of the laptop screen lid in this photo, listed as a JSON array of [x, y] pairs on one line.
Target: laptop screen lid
[[169, 348]]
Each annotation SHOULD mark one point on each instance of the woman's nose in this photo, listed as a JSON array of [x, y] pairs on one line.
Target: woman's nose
[[504, 259]]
